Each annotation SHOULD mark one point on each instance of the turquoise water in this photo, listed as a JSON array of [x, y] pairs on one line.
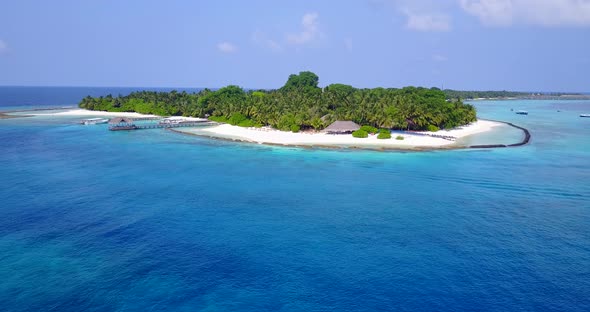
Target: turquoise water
[[153, 220]]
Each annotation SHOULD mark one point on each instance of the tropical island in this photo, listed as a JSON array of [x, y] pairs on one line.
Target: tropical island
[[300, 105], [302, 113]]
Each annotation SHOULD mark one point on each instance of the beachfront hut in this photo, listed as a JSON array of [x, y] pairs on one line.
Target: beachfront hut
[[121, 123], [342, 127]]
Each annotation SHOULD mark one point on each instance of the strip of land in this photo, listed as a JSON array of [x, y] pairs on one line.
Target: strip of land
[[411, 140]]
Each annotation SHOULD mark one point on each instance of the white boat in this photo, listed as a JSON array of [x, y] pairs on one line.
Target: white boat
[[585, 115], [94, 121], [521, 112]]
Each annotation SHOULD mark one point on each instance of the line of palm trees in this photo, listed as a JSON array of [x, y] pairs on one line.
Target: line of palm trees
[[306, 106]]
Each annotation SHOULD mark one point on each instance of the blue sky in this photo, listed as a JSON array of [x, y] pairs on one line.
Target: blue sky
[[528, 45]]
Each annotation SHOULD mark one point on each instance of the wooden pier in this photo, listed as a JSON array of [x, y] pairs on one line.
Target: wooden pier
[[147, 118], [120, 124]]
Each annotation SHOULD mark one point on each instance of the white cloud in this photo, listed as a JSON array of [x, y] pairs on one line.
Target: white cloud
[[226, 47], [421, 15], [434, 15], [490, 12], [310, 30], [3, 46], [427, 21], [531, 12], [260, 38]]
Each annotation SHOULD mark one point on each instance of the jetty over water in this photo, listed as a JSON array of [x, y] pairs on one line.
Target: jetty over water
[[123, 123], [147, 118]]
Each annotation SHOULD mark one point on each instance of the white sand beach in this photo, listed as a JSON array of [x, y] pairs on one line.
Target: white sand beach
[[271, 136], [84, 113], [265, 135]]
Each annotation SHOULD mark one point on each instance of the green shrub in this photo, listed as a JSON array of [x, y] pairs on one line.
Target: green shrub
[[247, 123], [433, 128], [236, 119], [384, 135], [218, 119], [295, 128], [369, 129], [399, 137], [360, 134]]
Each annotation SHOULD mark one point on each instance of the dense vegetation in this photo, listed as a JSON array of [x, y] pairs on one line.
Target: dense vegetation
[[300, 104]]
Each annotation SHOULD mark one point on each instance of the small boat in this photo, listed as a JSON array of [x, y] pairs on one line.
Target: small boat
[[585, 115], [521, 112], [94, 121]]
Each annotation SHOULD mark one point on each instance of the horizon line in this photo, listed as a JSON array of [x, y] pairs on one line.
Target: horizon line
[[246, 88]]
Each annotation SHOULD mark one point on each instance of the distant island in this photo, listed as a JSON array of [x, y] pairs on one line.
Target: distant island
[[301, 105], [476, 95], [471, 95]]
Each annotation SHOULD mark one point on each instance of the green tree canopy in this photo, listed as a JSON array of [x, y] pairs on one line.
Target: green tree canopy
[[300, 104], [304, 80]]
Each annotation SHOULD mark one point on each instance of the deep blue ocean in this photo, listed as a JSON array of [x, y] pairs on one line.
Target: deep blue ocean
[[151, 220]]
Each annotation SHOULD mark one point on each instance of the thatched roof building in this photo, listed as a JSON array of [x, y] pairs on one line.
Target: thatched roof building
[[341, 127], [121, 123], [120, 120]]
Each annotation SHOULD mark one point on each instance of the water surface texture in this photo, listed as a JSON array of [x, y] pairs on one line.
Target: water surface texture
[[152, 220]]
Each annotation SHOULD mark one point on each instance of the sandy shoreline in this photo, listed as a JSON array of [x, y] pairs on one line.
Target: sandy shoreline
[[85, 112], [414, 140], [78, 112], [419, 140]]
